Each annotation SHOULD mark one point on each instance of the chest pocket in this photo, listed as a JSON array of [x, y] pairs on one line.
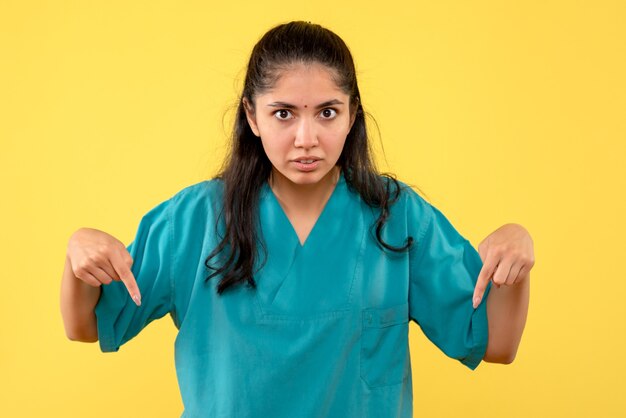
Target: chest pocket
[[385, 356]]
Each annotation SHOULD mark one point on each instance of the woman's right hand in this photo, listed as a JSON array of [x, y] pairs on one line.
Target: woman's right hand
[[98, 258]]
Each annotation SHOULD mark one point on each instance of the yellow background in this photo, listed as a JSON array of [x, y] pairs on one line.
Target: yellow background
[[501, 111]]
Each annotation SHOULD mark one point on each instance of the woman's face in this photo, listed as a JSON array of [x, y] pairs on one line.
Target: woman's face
[[303, 122]]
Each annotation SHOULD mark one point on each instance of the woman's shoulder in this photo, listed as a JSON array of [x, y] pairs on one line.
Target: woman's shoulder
[[404, 193], [410, 204], [205, 188], [205, 193]]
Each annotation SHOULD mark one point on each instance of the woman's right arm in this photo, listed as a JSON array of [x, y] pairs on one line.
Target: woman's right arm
[[93, 258]]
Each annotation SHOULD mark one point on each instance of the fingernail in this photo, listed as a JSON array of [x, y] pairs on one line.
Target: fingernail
[[476, 301], [137, 299]]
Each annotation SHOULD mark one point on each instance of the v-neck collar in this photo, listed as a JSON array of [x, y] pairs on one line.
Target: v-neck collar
[[299, 280], [267, 196]]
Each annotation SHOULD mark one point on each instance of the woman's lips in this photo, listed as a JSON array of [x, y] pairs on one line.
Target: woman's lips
[[306, 164]]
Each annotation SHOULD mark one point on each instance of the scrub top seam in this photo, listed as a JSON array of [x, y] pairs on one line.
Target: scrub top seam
[[170, 228], [358, 267], [422, 233]]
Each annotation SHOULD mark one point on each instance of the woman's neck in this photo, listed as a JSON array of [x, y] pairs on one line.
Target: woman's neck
[[303, 197]]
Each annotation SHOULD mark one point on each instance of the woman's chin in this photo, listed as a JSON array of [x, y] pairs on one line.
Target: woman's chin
[[305, 178]]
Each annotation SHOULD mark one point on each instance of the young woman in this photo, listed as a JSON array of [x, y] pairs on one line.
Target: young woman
[[293, 275]]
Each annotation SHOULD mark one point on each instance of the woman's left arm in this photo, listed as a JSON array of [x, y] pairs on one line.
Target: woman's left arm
[[508, 256]]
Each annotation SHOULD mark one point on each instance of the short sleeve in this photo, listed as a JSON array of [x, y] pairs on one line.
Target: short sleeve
[[443, 273], [118, 318]]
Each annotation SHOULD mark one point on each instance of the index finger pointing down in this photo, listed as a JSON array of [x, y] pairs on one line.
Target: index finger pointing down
[[481, 284], [126, 275]]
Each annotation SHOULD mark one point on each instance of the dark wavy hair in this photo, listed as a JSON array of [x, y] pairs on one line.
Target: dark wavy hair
[[247, 167]]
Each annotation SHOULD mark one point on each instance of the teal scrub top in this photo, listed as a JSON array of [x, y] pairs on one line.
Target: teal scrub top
[[325, 333]]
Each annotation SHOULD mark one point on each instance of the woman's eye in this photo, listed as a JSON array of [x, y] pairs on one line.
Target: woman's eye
[[282, 114], [329, 113]]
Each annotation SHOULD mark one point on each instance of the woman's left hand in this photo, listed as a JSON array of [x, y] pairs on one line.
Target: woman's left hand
[[507, 255]]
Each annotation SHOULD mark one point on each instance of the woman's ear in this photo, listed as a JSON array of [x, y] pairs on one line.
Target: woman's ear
[[250, 115], [353, 113]]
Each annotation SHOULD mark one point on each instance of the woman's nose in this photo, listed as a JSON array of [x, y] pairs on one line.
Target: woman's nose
[[306, 135]]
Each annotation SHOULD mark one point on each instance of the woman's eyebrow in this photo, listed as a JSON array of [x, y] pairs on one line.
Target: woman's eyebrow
[[319, 106]]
